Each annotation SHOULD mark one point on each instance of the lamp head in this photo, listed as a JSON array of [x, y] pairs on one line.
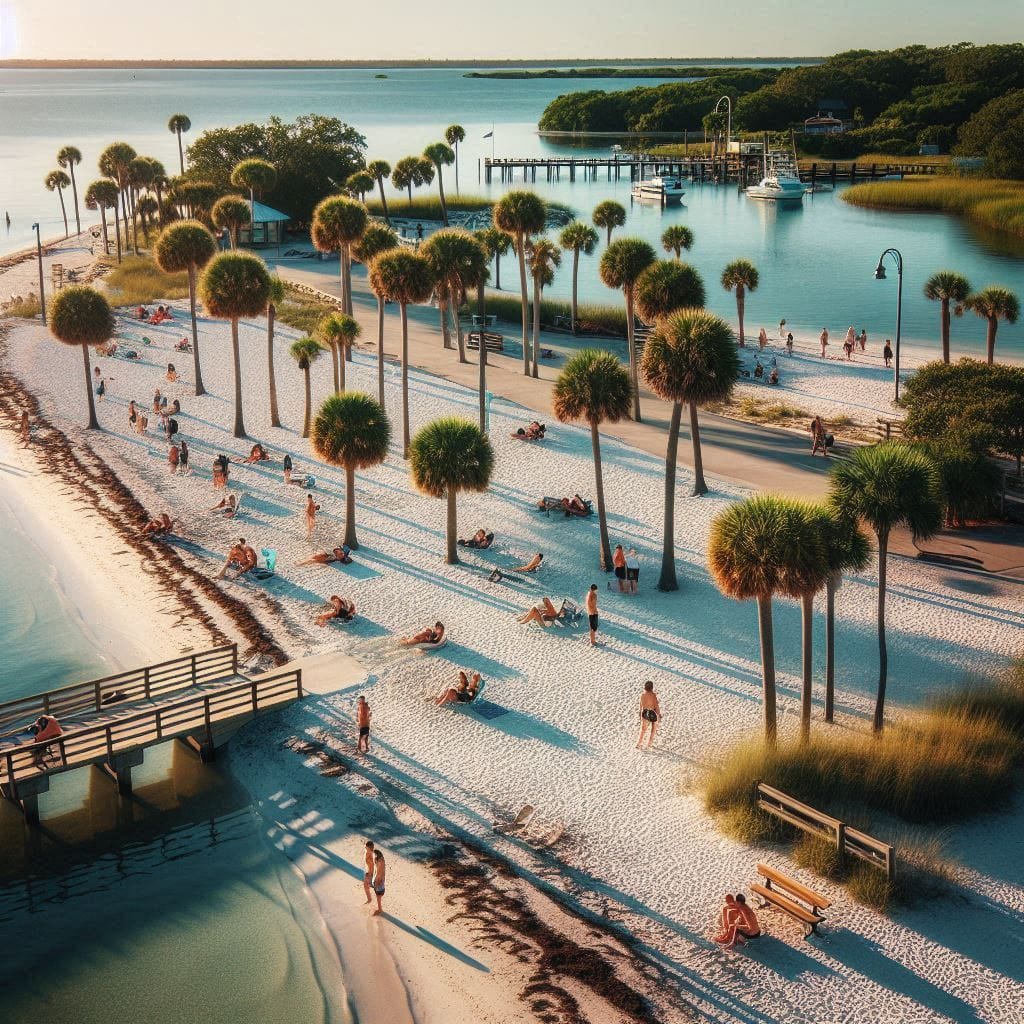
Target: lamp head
[[880, 272], [35, 227]]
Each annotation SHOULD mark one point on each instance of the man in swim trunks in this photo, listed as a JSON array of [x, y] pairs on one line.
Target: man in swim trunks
[[590, 602], [650, 714], [745, 925], [368, 873], [363, 716]]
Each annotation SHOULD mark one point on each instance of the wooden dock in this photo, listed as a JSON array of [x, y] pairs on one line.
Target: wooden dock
[[200, 699]]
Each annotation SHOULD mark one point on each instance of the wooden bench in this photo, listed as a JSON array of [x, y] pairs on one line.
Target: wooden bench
[[494, 342], [791, 897]]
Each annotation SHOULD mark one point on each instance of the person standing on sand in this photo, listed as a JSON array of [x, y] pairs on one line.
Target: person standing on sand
[[818, 437], [762, 339], [863, 339], [26, 430], [650, 714], [363, 716], [368, 869], [887, 353], [183, 469], [379, 879], [287, 467], [823, 338], [591, 605], [782, 328], [619, 565], [173, 458], [311, 510], [632, 572], [789, 344]]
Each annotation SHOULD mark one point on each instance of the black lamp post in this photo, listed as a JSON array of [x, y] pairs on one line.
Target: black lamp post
[[39, 257], [880, 276]]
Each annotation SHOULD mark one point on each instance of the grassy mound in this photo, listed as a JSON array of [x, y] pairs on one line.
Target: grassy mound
[[606, 320], [429, 207], [137, 280], [303, 312]]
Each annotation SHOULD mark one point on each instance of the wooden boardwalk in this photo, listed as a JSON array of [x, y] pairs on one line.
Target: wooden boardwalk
[[201, 699]]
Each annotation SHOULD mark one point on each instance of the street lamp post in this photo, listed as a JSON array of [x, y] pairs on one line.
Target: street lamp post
[[39, 257], [880, 276], [728, 119]]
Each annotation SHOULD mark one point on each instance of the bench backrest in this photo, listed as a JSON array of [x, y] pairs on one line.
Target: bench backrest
[[791, 885]]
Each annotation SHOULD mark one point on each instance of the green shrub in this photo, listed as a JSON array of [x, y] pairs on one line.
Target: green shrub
[[749, 824], [604, 320], [138, 281], [428, 207], [870, 886]]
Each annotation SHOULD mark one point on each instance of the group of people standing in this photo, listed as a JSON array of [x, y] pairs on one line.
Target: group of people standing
[[627, 570]]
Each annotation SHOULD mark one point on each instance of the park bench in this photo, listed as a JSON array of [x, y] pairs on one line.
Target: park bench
[[494, 342], [791, 897]]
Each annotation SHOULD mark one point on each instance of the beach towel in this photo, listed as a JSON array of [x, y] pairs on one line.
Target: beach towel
[[266, 563]]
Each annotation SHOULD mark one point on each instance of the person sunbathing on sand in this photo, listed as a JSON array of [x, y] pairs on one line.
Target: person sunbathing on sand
[[257, 454], [543, 612], [159, 527], [338, 608], [341, 554], [464, 693], [531, 566], [481, 540], [534, 432], [575, 506], [241, 558], [425, 636], [229, 505], [744, 925]]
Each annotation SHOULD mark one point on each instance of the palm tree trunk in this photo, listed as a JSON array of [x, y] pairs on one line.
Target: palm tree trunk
[[699, 485], [346, 269], [236, 356], [883, 654], [440, 189], [602, 519], [667, 580], [459, 337], [575, 285], [609, 242], [497, 270], [200, 390], [124, 217], [74, 193], [103, 221], [521, 251], [945, 330], [275, 419], [380, 350], [537, 291], [383, 206], [990, 338], [63, 210], [764, 624], [740, 304], [482, 383], [181, 153], [309, 402], [830, 647], [342, 381], [451, 528], [442, 308], [334, 368], [93, 422], [456, 168], [117, 231], [632, 355], [350, 508], [405, 382], [806, 651]]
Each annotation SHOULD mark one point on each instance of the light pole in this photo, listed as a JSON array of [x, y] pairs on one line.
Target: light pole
[[39, 257], [880, 276]]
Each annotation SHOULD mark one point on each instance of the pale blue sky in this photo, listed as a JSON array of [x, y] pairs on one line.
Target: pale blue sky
[[482, 29]]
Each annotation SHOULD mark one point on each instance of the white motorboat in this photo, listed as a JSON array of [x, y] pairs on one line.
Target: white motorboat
[[664, 189], [781, 181]]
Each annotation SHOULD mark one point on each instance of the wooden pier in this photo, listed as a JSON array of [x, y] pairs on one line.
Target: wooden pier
[[200, 699]]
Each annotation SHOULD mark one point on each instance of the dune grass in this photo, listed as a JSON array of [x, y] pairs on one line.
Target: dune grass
[[595, 319], [137, 280], [26, 307], [428, 207], [989, 202], [302, 312]]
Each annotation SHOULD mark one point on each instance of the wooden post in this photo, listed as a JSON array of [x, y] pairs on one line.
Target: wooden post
[[234, 659], [841, 841], [30, 808]]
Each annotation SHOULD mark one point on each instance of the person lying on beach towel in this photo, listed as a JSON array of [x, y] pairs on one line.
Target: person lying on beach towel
[[480, 539], [242, 558], [141, 313], [544, 612], [464, 693], [576, 506], [337, 608], [531, 566], [183, 346], [342, 555], [534, 432], [161, 526], [229, 506], [256, 454], [432, 636]]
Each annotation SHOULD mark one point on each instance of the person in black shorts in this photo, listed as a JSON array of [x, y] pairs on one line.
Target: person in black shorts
[[591, 604], [363, 716]]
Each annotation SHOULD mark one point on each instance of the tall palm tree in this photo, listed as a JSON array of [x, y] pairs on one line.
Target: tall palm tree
[[339, 331], [351, 431], [233, 213], [187, 245], [740, 276], [677, 238], [593, 387], [380, 169], [496, 242], [994, 304], [81, 316], [148, 208], [758, 549], [275, 297], [406, 173], [403, 277], [68, 157], [945, 287], [102, 195], [666, 286], [114, 162], [459, 262], [447, 456], [177, 125], [305, 352], [609, 215], [544, 256], [816, 523], [521, 214], [338, 224], [58, 180], [888, 485], [440, 155], [377, 238], [424, 172], [359, 183], [689, 359], [453, 135], [159, 182], [140, 176], [441, 251], [233, 285], [621, 266], [255, 176], [577, 237]]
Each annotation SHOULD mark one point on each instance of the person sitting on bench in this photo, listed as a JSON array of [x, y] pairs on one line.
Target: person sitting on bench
[[544, 612], [531, 566], [575, 506], [342, 555], [464, 693], [338, 608], [160, 526], [429, 635], [744, 925], [481, 539], [534, 432], [44, 728]]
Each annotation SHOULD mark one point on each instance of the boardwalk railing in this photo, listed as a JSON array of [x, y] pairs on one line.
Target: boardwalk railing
[[198, 715], [138, 684]]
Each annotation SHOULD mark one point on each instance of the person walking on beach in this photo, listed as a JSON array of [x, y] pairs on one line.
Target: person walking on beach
[[823, 338], [363, 716], [863, 339], [887, 353], [632, 572], [848, 343], [26, 429], [762, 339], [789, 344], [311, 510], [287, 466], [782, 328], [183, 469], [368, 869], [650, 714], [619, 565], [379, 880], [173, 458], [818, 437], [591, 605]]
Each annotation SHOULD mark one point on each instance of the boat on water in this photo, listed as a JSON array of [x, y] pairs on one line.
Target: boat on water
[[781, 181], [663, 188]]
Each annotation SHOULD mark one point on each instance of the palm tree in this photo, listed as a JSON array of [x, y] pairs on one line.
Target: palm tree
[[577, 237], [233, 285], [453, 135], [187, 245], [816, 523], [496, 242], [677, 238], [69, 157], [608, 215], [521, 214], [459, 262], [102, 195], [740, 276], [758, 549], [447, 456], [178, 124], [114, 162], [337, 331], [257, 177], [351, 431], [407, 173], [945, 287], [233, 213], [81, 316], [376, 239], [275, 297], [424, 174], [159, 182], [305, 352], [140, 176], [666, 286], [440, 155], [58, 180], [380, 169], [338, 223], [621, 267], [888, 485], [689, 359], [994, 304], [359, 183], [148, 207], [595, 388], [545, 256], [403, 277]]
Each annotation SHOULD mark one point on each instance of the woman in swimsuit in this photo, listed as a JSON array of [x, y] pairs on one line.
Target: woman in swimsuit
[[311, 510], [464, 693], [325, 557], [424, 636], [379, 879], [339, 609]]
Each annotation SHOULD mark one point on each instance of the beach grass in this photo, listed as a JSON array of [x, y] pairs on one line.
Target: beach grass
[[138, 281], [302, 312], [593, 318], [25, 307], [429, 207], [990, 202]]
